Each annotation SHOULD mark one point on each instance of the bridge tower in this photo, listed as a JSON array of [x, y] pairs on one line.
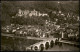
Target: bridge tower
[[62, 35]]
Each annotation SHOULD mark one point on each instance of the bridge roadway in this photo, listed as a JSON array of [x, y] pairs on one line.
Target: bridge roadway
[[28, 37]]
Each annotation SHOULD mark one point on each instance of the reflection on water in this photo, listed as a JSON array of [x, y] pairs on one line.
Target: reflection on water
[[16, 44]]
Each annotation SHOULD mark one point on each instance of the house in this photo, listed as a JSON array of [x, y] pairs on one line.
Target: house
[[46, 22], [62, 14], [68, 15], [44, 14], [59, 11], [20, 13], [54, 12], [71, 35]]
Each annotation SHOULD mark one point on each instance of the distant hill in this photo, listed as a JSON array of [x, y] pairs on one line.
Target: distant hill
[[10, 8]]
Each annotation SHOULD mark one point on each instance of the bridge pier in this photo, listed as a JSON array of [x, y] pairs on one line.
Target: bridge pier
[[7, 37], [60, 44], [56, 42], [13, 38], [36, 48]]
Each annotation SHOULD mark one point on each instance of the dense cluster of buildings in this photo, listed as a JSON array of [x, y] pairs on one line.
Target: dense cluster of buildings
[[30, 30], [66, 16]]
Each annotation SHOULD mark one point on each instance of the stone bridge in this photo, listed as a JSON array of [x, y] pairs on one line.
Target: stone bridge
[[42, 45]]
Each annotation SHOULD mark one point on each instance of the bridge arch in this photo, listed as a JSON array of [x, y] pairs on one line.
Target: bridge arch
[[36, 48], [56, 42], [46, 45], [41, 47], [43, 44], [51, 43]]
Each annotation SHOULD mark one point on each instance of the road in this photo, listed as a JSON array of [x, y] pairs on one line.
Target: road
[[69, 42]]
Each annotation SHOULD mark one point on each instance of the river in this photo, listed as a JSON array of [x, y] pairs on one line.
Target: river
[[17, 44]]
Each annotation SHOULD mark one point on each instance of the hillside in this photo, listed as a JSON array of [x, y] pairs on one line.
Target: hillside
[[10, 8]]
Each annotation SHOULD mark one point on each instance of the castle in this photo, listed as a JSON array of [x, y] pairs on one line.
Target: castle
[[26, 13]]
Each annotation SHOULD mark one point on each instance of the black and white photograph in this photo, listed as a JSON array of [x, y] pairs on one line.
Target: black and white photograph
[[40, 25]]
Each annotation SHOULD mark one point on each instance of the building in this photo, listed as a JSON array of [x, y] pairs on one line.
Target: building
[[20, 13], [33, 13], [54, 12], [23, 12], [60, 12], [39, 14], [44, 14], [26, 13]]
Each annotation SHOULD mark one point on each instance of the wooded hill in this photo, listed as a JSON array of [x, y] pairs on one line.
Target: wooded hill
[[10, 8]]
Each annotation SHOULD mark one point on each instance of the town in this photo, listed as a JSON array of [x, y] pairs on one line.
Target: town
[[49, 27], [54, 26]]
